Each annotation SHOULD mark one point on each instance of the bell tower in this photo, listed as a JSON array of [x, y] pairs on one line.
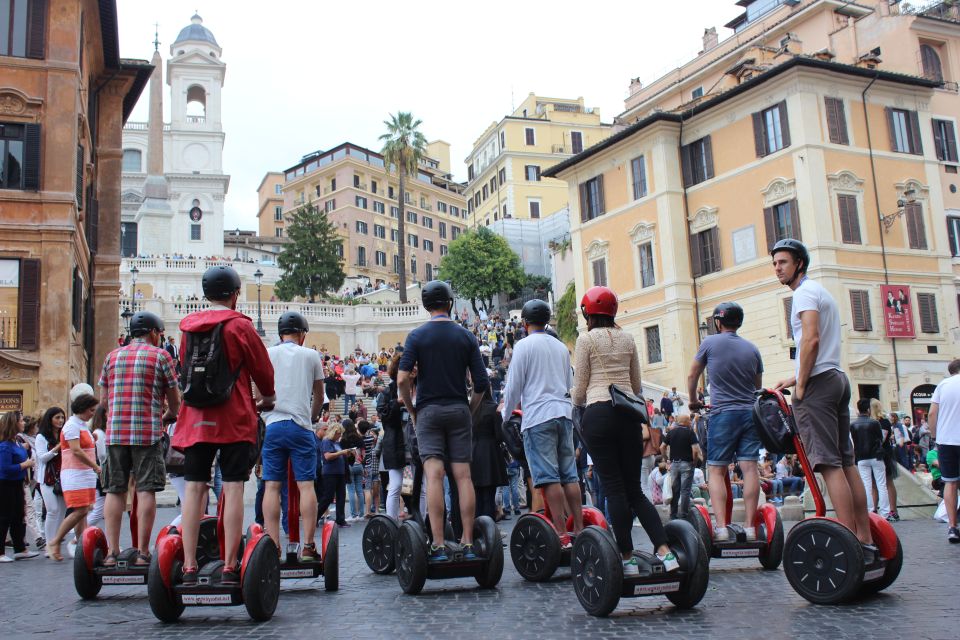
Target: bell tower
[[195, 74]]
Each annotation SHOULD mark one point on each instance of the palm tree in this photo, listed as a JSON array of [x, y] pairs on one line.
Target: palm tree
[[403, 147]]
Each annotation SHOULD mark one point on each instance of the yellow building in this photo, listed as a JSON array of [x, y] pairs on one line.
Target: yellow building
[[805, 131], [505, 168], [351, 184], [270, 211]]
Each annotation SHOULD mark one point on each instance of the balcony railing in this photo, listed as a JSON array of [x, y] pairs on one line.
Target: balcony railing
[[196, 119]]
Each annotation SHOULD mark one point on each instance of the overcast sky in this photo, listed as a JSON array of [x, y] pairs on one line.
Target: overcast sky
[[304, 75]]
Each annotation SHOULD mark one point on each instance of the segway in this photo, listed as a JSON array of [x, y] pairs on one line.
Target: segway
[[293, 566], [768, 546], [258, 590], [90, 574], [823, 559]]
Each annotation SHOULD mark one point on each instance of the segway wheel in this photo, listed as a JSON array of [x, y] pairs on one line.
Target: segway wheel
[[379, 548], [597, 571], [890, 574], [331, 561], [687, 545], [411, 558], [535, 548], [702, 527], [772, 555], [486, 532], [163, 602], [823, 561], [87, 583], [261, 580]]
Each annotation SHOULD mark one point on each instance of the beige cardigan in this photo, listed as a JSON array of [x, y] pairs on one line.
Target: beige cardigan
[[603, 357]]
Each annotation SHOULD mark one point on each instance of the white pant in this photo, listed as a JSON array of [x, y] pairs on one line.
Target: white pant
[[646, 466], [393, 492], [875, 468], [95, 517], [56, 511], [180, 484], [38, 512], [30, 516]]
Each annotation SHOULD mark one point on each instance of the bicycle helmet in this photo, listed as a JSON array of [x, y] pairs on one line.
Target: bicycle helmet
[[219, 283], [436, 294], [536, 312], [292, 322], [600, 301], [799, 251], [143, 322], [729, 314]]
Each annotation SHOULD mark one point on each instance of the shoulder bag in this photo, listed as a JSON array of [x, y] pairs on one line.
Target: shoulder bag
[[623, 401]]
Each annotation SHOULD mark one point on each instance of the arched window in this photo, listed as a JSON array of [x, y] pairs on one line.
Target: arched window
[[196, 104], [930, 61], [132, 160]]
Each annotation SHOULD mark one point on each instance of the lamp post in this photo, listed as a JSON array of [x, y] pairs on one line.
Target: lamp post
[[309, 291], [704, 332], [133, 284], [258, 276], [126, 315], [236, 256]]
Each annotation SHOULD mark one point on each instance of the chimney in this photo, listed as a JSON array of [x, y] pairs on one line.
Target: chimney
[[710, 39], [635, 86]]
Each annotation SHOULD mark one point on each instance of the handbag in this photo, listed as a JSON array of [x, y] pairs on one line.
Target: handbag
[[173, 460], [624, 401], [406, 486], [51, 475]]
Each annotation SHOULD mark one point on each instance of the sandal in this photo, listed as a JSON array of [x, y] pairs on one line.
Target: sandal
[[142, 560], [54, 552], [110, 561]]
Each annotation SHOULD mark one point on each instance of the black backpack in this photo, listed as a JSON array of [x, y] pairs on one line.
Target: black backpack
[[773, 420], [207, 379]]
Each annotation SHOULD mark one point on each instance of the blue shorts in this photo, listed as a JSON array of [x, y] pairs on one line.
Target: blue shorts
[[286, 440], [731, 433], [949, 457], [550, 453]]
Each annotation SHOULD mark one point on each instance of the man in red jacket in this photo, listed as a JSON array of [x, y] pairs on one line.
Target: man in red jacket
[[229, 427]]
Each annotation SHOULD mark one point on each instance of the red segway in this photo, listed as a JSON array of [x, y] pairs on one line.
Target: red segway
[[90, 574], [823, 559], [768, 547], [258, 590], [293, 566]]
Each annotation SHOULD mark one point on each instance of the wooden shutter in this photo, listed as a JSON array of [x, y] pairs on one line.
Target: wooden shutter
[[952, 235], [849, 220], [31, 158], [79, 181], [836, 121], [36, 38], [686, 164], [696, 260], [77, 306], [938, 142], [795, 220], [784, 123], [759, 139], [601, 205], [770, 226], [916, 230], [29, 303], [583, 202], [787, 312], [715, 240], [944, 140], [708, 157], [860, 310], [890, 129], [927, 306], [913, 122], [951, 139]]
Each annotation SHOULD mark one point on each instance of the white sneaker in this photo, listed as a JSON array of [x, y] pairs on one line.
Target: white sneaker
[[669, 562], [6, 558], [751, 533], [630, 568], [24, 555], [721, 534]]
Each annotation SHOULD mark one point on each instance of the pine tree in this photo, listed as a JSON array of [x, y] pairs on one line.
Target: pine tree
[[311, 262]]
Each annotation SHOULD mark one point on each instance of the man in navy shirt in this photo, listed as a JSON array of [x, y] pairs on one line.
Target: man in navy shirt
[[443, 352]]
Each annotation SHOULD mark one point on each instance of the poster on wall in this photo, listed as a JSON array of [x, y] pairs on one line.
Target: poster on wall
[[897, 311], [11, 401]]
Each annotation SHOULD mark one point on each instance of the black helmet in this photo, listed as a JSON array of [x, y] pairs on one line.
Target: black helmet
[[536, 312], [797, 248], [219, 283], [436, 294], [730, 314], [143, 322], [292, 322]]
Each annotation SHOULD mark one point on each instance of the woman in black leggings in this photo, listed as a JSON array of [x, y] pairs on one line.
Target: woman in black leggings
[[606, 355]]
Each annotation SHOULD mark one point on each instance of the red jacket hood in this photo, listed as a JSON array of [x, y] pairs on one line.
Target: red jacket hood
[[206, 320]]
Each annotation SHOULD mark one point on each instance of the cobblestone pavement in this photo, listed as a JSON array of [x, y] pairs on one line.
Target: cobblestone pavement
[[37, 597]]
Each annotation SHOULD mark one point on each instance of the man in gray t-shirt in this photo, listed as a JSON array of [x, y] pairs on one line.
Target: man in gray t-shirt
[[736, 370]]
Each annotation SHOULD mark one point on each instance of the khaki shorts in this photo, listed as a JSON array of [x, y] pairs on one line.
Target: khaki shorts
[[144, 461], [823, 419]]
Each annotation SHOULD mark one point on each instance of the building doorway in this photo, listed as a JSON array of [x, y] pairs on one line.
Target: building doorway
[[920, 399], [868, 391]]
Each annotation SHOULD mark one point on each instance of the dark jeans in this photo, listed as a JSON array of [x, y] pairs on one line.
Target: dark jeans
[[11, 515], [334, 484], [681, 479], [617, 452]]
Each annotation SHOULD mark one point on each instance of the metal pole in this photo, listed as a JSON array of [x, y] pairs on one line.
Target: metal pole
[[260, 330]]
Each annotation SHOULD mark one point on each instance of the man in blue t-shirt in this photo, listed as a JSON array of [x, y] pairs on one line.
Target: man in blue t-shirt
[[443, 352], [736, 371]]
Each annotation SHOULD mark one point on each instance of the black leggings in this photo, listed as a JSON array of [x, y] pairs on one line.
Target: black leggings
[[334, 484], [11, 515], [616, 447]]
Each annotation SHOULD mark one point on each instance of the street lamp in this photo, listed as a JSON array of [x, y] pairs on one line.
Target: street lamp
[[133, 283], [909, 197], [309, 291], [704, 332], [258, 276], [126, 315], [236, 256]]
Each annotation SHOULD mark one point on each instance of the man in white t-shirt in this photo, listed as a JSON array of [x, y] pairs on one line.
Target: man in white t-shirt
[[298, 373], [821, 400], [944, 423]]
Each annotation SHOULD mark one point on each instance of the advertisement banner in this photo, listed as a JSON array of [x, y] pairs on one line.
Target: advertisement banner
[[897, 311]]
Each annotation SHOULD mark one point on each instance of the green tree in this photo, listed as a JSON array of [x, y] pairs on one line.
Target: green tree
[[312, 259], [537, 286], [566, 311], [403, 147], [479, 265]]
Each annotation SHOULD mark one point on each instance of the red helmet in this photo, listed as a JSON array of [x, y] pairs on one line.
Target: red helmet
[[601, 301]]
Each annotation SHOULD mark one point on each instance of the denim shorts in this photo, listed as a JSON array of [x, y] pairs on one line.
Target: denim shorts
[[286, 440], [550, 453], [731, 433]]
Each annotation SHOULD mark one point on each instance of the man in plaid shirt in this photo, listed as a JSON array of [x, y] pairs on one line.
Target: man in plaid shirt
[[136, 379]]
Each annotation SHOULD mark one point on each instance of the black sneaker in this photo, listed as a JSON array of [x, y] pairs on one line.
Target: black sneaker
[[230, 577], [437, 554], [469, 553], [189, 578], [953, 535], [870, 554]]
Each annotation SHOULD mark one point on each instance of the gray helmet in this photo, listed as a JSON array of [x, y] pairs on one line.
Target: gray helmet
[[436, 294], [292, 322], [536, 312], [143, 322], [219, 283], [730, 314], [797, 248]]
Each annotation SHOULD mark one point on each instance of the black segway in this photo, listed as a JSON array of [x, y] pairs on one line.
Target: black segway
[[293, 566], [823, 559]]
